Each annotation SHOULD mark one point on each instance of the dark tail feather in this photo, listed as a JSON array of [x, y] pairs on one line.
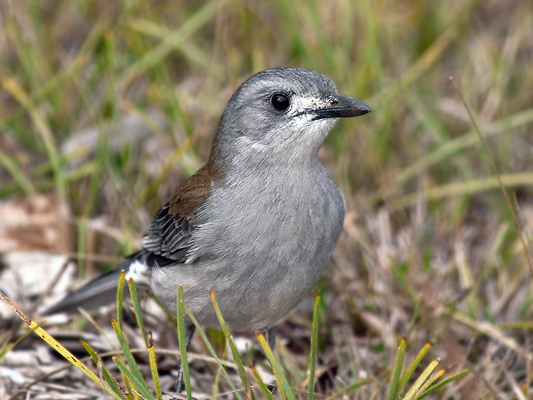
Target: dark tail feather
[[98, 292]]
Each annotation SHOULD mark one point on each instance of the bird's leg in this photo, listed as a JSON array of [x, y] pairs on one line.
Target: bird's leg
[[271, 337], [189, 331]]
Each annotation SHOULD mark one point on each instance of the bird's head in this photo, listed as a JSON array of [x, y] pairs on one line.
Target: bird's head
[[281, 114]]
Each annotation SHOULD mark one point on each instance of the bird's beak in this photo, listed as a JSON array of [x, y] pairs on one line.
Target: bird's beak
[[342, 107]]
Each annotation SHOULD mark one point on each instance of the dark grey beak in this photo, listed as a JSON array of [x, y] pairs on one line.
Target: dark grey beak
[[342, 107]]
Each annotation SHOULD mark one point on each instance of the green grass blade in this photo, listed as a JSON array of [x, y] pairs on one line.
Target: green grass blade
[[171, 42], [283, 385], [25, 184], [138, 384], [43, 130], [105, 373], [264, 389], [129, 356], [193, 53], [409, 371], [229, 338], [424, 376], [452, 147], [137, 308], [445, 382], [120, 297], [216, 382], [6, 348], [432, 379], [182, 343], [211, 350], [465, 188], [396, 372], [354, 385], [314, 348]]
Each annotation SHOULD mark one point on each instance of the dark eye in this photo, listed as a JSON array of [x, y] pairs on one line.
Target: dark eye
[[280, 101]]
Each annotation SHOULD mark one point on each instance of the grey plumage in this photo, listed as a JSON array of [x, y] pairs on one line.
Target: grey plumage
[[257, 224]]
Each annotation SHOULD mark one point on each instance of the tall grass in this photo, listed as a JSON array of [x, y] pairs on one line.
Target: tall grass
[[427, 252]]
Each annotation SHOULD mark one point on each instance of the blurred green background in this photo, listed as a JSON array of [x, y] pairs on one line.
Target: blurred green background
[[113, 104]]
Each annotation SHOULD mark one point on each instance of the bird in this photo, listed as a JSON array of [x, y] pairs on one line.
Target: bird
[[257, 225]]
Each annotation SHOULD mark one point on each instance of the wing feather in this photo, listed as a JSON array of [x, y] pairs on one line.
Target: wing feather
[[169, 232]]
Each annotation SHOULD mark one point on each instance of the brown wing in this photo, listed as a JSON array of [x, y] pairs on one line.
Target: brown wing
[[169, 232]]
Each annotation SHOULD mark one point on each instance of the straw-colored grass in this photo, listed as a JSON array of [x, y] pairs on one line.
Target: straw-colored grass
[[112, 105]]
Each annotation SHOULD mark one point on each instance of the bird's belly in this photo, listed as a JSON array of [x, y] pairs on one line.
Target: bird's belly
[[260, 267], [252, 296]]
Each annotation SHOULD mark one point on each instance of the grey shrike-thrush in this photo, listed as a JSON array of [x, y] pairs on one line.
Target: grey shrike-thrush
[[258, 223]]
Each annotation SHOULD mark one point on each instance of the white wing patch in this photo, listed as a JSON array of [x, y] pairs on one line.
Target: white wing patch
[[139, 272]]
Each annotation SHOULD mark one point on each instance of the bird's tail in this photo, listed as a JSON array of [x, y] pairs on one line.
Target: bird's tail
[[98, 292]]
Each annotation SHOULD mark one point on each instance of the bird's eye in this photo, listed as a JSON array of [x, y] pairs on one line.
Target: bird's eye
[[280, 101]]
